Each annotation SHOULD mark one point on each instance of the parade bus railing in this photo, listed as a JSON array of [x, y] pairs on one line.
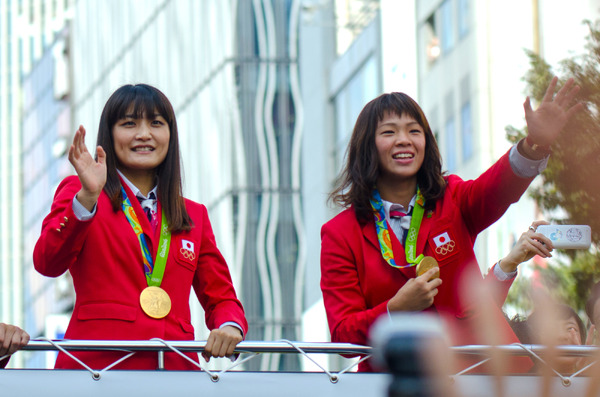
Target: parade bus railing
[[232, 381]]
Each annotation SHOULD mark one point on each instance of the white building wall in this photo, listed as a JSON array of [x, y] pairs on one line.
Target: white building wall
[[490, 60], [27, 29], [492, 57]]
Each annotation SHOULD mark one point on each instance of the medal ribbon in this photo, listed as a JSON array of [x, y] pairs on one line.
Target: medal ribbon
[[383, 233], [154, 273]]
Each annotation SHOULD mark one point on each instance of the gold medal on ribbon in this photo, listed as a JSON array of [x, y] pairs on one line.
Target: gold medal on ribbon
[[427, 263], [155, 302]]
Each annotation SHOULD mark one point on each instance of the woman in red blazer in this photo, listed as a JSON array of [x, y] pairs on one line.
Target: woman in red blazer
[[132, 244], [369, 260]]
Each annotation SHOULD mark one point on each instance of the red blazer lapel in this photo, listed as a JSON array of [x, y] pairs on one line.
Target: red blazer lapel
[[370, 233]]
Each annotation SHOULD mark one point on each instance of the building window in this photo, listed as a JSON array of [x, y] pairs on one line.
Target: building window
[[352, 17], [466, 122], [463, 18], [350, 101], [447, 37], [432, 118], [431, 40], [466, 131], [450, 145], [450, 133]]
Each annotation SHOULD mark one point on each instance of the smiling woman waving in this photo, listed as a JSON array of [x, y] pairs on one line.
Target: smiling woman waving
[[133, 244], [405, 239]]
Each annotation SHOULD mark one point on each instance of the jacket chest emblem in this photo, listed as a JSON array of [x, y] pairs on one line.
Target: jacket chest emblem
[[186, 251], [444, 245]]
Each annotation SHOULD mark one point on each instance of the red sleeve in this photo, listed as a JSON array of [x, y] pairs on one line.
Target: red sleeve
[[347, 312], [212, 281], [484, 200], [498, 289], [63, 235]]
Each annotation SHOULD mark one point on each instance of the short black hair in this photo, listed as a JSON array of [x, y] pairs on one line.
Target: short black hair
[[564, 312]]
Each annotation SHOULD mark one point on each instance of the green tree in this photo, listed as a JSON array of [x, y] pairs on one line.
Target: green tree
[[571, 181]]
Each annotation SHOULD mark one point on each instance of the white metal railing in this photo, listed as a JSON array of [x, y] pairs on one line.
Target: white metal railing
[[197, 346], [284, 346], [352, 383], [160, 346]]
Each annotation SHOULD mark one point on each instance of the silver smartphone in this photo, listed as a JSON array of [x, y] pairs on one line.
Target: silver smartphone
[[567, 236]]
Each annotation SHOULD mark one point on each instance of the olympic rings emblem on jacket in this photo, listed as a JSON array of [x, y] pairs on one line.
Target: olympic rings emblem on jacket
[[446, 248], [187, 254]]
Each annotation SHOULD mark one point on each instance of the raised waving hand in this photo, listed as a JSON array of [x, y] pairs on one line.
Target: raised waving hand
[[546, 122], [91, 172]]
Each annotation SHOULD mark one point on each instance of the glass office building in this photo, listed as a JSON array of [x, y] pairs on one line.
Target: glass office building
[[29, 30]]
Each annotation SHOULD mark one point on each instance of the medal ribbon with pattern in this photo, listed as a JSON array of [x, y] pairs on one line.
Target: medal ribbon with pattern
[[154, 271], [383, 233]]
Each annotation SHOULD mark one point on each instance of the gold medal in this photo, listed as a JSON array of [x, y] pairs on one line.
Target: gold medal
[[428, 263], [155, 302]]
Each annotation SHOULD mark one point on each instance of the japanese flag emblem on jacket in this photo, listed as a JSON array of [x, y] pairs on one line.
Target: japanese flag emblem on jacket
[[444, 245], [186, 251]]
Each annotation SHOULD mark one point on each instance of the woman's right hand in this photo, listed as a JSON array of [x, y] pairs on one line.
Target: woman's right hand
[[417, 294], [12, 338], [91, 173]]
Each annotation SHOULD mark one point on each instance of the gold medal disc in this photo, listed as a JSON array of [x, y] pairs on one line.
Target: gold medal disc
[[155, 302], [428, 263]]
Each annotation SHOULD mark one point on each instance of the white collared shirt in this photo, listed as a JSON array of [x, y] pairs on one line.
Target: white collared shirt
[[400, 226], [83, 214]]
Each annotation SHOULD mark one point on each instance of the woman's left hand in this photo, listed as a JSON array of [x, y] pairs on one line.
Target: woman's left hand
[[547, 121], [530, 244], [222, 342]]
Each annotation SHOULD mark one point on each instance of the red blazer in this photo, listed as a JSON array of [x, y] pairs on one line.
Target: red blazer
[[104, 258], [357, 282]]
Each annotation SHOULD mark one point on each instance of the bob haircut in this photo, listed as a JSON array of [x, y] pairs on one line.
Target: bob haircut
[[358, 179], [141, 100]]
